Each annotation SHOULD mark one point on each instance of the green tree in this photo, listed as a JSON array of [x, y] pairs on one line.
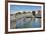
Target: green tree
[[19, 12], [33, 12], [24, 12]]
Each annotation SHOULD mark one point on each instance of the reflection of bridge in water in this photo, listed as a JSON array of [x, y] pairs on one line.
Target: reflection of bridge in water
[[28, 23]]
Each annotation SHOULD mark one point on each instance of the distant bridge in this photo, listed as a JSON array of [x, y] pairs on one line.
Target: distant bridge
[[29, 15]]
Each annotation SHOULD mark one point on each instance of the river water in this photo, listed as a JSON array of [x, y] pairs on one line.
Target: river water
[[28, 23]]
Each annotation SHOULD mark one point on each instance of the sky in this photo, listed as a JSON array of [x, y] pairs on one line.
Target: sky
[[15, 8]]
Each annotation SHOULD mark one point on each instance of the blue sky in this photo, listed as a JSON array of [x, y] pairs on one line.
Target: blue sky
[[14, 8]]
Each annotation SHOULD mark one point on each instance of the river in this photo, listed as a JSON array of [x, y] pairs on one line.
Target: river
[[28, 23]]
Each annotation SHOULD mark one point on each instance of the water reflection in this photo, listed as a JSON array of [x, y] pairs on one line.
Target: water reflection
[[28, 23]]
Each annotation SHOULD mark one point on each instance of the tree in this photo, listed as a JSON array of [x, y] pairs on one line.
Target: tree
[[16, 13], [33, 12], [19, 12], [24, 12]]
